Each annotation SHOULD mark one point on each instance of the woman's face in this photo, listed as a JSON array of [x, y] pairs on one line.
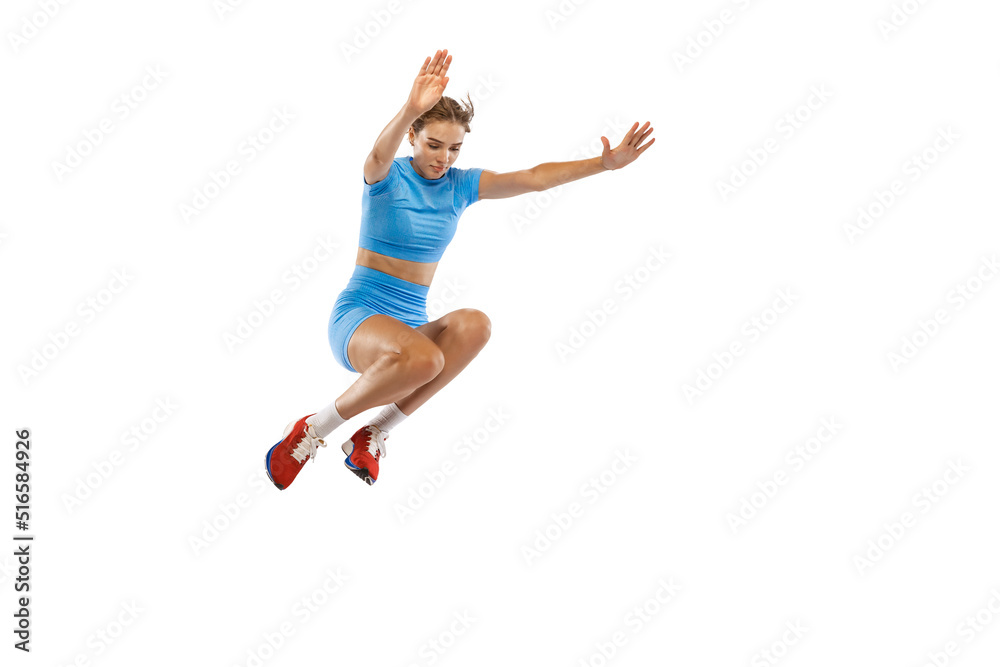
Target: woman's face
[[437, 145]]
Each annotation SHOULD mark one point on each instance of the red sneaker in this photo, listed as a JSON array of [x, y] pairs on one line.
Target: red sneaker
[[364, 450], [284, 461]]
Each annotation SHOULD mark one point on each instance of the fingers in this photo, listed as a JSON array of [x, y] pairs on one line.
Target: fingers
[[431, 65], [440, 64], [636, 139], [632, 139], [628, 135], [443, 69]]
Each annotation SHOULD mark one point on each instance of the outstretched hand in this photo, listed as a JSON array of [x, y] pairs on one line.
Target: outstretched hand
[[430, 82], [628, 150]]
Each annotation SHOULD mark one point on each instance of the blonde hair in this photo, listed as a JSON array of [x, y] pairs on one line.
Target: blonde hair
[[449, 110]]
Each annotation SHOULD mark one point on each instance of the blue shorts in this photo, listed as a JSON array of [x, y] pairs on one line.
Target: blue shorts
[[370, 292]]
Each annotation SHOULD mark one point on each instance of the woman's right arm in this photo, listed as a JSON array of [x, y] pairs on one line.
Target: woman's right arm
[[427, 90], [380, 159]]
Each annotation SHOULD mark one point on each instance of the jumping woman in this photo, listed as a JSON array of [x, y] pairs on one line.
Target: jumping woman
[[409, 215]]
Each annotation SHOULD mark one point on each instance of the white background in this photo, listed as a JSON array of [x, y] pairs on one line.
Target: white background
[[545, 90]]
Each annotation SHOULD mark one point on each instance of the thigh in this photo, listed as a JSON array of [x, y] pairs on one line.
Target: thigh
[[433, 328], [472, 321], [379, 335]]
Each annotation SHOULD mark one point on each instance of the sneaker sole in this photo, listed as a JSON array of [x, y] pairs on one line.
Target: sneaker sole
[[267, 467], [360, 472]]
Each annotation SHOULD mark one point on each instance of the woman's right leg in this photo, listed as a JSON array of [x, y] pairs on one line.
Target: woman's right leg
[[393, 359]]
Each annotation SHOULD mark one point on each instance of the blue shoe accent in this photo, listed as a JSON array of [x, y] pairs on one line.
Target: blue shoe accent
[[267, 466], [360, 472]]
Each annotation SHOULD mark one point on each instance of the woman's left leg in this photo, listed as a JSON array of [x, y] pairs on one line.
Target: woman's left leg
[[461, 335]]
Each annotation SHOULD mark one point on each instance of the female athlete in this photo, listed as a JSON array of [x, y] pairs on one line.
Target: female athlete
[[409, 214]]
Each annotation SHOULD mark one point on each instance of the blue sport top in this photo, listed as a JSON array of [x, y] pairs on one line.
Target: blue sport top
[[411, 217]]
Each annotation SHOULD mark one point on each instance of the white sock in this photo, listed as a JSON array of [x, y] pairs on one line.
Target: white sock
[[390, 417], [326, 420]]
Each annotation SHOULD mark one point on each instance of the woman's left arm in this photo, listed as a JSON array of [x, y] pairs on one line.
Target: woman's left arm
[[552, 174]]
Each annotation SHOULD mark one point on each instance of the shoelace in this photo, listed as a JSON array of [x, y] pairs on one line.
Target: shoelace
[[307, 446], [379, 442]]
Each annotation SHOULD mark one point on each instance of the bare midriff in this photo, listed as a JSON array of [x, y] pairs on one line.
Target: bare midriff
[[414, 272]]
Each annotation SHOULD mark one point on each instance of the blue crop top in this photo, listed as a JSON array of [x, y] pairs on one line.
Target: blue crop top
[[411, 217]]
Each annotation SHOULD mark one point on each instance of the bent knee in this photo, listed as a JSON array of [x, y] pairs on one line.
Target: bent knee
[[473, 326], [424, 361]]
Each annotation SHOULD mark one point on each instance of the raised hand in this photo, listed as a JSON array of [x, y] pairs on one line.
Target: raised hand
[[430, 82], [628, 150]]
